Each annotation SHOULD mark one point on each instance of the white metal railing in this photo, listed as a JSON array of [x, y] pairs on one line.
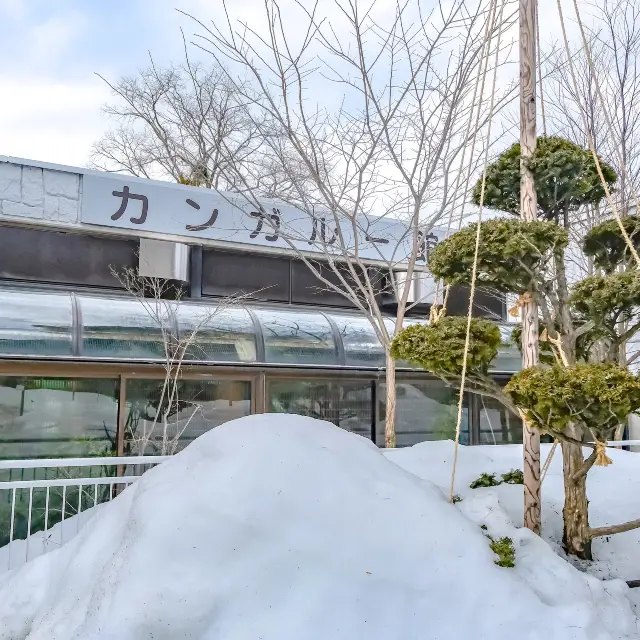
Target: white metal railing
[[108, 461], [39, 514], [624, 443]]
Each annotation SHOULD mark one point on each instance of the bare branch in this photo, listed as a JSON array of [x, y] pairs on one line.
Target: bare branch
[[598, 532]]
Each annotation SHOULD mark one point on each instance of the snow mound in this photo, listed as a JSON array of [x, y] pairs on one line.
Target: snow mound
[[611, 490], [279, 527]]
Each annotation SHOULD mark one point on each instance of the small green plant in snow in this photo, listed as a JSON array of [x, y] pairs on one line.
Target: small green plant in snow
[[515, 476], [505, 551], [485, 480]]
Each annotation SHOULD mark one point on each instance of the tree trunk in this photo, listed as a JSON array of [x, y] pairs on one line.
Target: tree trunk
[[529, 212], [575, 539], [390, 421]]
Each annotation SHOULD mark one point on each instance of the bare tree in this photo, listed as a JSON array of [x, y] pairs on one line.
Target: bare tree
[[614, 43], [377, 118], [167, 414], [173, 122]]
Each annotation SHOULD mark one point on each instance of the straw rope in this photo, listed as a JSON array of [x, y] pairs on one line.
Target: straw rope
[[478, 234]]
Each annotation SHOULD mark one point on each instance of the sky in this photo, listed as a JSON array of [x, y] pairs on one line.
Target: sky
[[51, 51]]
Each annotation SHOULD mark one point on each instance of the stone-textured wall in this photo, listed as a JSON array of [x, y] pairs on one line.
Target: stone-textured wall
[[35, 193]]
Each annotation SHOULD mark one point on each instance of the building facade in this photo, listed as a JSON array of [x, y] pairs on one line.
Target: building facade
[[82, 361]]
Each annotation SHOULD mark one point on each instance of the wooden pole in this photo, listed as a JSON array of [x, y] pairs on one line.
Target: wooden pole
[[528, 211]]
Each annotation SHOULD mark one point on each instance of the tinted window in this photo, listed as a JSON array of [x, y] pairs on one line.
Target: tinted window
[[348, 404], [307, 288], [198, 406], [229, 274], [297, 337], [425, 410], [63, 258], [26, 330], [485, 303]]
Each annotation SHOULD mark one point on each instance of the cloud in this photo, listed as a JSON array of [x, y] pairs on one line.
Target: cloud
[[13, 9], [50, 120], [51, 40]]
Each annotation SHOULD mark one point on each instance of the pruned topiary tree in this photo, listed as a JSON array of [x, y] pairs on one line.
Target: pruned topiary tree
[[440, 347], [565, 175], [607, 245], [582, 390]]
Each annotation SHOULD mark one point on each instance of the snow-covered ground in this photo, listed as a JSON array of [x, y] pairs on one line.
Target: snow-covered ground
[[281, 527], [614, 494]]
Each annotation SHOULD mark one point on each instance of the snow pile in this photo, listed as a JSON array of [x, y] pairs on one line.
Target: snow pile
[[281, 527], [18, 552], [612, 493]]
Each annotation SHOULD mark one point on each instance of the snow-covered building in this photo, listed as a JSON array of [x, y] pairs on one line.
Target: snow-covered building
[[81, 360]]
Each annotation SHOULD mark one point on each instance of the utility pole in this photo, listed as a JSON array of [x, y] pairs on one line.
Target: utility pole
[[528, 211]]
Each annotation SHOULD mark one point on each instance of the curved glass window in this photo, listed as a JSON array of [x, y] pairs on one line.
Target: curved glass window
[[297, 337], [361, 345], [222, 334], [35, 324], [122, 328], [408, 322]]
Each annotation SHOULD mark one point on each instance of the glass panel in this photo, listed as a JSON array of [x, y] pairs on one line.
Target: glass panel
[[57, 418], [345, 403], [54, 418], [296, 337], [155, 426], [497, 425], [508, 358], [222, 334], [361, 345], [35, 324], [425, 410], [119, 328]]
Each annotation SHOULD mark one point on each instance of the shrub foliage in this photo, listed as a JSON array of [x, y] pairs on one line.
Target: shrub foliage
[[511, 253], [566, 178], [439, 348], [607, 245], [597, 396]]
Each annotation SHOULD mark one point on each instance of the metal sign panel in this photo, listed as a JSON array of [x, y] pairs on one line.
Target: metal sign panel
[[118, 201]]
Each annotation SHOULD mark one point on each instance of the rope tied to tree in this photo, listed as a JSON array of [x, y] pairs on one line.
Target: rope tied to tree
[[602, 459], [524, 299], [491, 21], [436, 313], [547, 462]]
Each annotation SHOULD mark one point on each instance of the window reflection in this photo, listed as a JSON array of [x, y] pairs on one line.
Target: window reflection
[[346, 404], [509, 357], [57, 417], [122, 328], [54, 418], [162, 423], [497, 425], [297, 337], [425, 410], [25, 328], [361, 345], [221, 334]]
